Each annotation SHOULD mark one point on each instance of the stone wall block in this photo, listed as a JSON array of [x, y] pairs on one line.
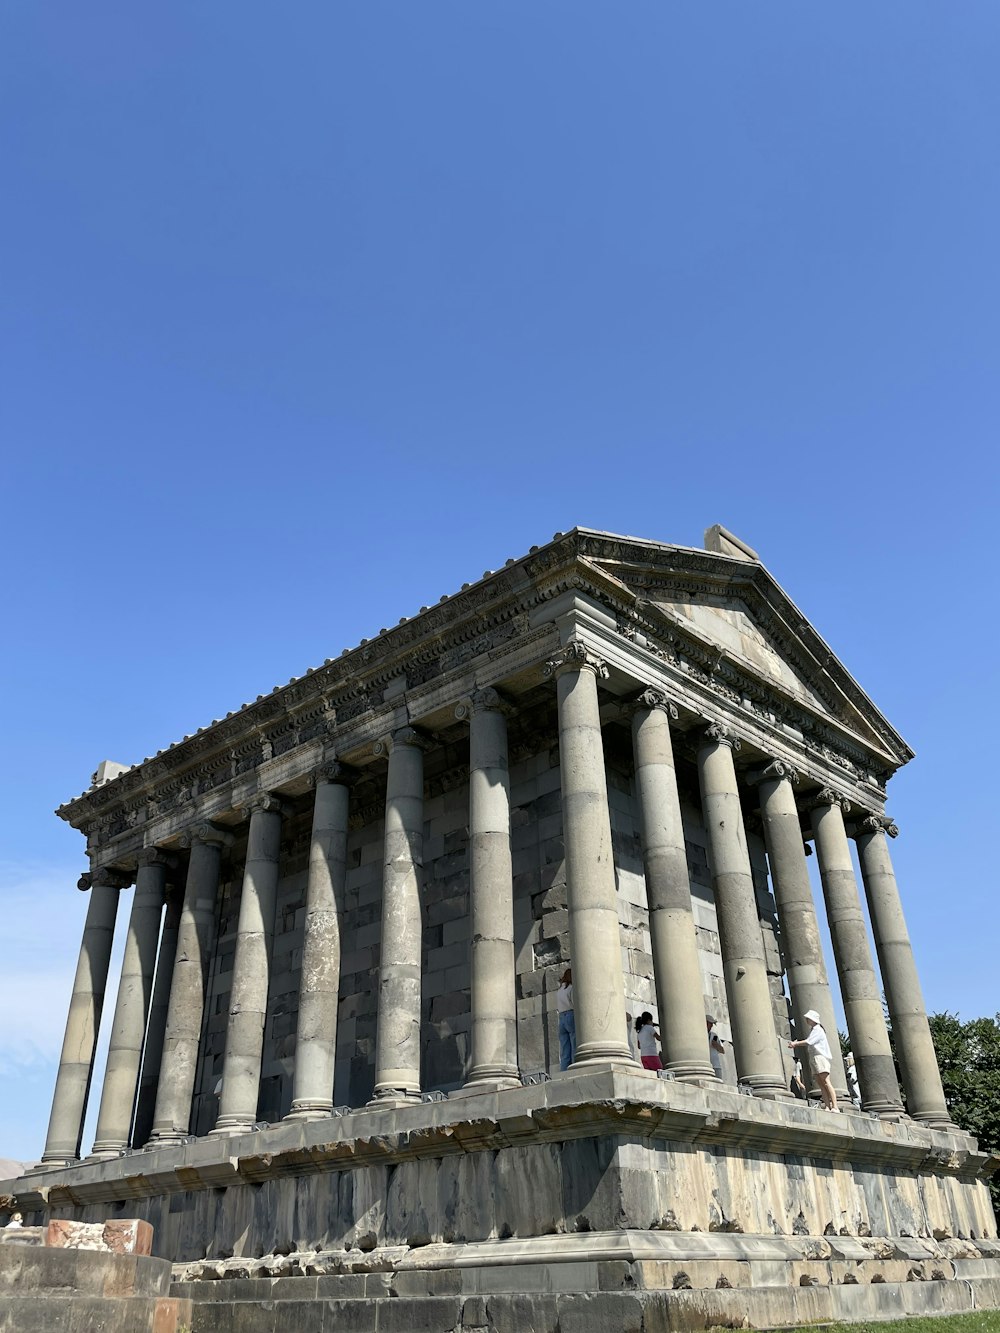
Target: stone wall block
[[410, 1212], [529, 1191], [590, 1185], [362, 1207]]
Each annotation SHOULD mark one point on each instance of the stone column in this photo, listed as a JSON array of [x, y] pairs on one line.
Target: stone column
[[186, 1008], [251, 969], [755, 1040], [911, 1032], [156, 1027], [135, 992], [319, 988], [397, 1041], [801, 948], [76, 1064], [679, 992], [491, 894], [594, 935], [859, 986]]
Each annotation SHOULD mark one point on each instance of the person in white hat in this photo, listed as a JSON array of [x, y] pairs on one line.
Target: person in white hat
[[820, 1057]]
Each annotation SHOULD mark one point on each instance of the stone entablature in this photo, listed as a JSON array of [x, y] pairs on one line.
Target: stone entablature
[[495, 629]]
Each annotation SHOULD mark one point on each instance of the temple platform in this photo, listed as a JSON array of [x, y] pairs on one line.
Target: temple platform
[[603, 1197]]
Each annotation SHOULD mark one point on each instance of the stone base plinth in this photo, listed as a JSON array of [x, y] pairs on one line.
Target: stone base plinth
[[634, 1282], [677, 1203]]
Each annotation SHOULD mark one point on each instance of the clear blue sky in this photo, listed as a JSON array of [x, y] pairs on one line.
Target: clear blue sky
[[310, 314]]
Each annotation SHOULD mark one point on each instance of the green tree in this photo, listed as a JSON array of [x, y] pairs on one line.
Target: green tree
[[969, 1058]]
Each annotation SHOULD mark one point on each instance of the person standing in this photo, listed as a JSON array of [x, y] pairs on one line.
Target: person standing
[[648, 1038], [853, 1086], [716, 1046], [820, 1056], [567, 1020]]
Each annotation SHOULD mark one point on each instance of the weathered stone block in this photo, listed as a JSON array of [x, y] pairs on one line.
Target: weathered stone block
[[588, 1312]]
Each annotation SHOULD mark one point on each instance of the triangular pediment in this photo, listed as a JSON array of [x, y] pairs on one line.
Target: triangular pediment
[[732, 612], [728, 622]]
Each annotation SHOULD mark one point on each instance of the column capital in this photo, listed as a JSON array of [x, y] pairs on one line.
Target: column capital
[[402, 736], [827, 796], [334, 771], [650, 699], [157, 856], [267, 801], [207, 833], [872, 823], [717, 733], [773, 772], [486, 700], [110, 877], [575, 656]]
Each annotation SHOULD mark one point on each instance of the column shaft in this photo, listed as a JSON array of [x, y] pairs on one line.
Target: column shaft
[[858, 983], [397, 1042], [76, 1064], [758, 1059], [135, 993], [186, 1008], [494, 1002], [679, 992], [319, 988], [594, 935], [156, 1028], [911, 1032], [251, 971], [801, 947]]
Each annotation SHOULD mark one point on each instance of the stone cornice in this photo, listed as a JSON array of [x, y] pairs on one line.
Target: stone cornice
[[496, 615]]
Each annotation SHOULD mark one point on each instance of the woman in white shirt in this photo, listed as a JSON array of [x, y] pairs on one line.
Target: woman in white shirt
[[567, 1020], [820, 1057], [648, 1037]]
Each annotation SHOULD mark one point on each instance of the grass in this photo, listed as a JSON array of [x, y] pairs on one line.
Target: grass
[[979, 1321]]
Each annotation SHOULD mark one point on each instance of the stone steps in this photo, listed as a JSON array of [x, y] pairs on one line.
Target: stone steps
[[221, 1310], [45, 1313], [47, 1290]]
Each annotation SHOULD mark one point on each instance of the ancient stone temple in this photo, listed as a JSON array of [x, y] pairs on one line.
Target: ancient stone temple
[[334, 1071]]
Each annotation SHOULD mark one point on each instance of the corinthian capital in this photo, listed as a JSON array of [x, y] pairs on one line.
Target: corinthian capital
[[403, 736], [876, 824], [111, 877], [718, 733], [576, 656], [207, 833], [334, 771], [773, 772], [652, 698], [829, 796], [156, 856], [265, 801], [487, 700]]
